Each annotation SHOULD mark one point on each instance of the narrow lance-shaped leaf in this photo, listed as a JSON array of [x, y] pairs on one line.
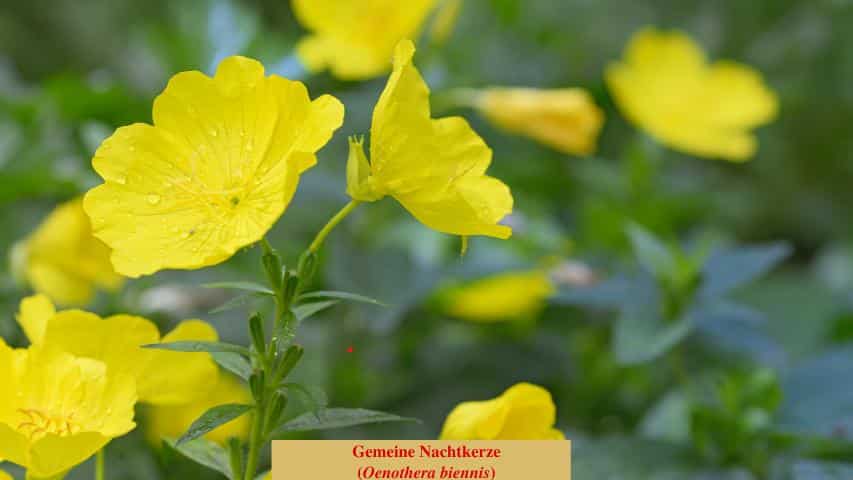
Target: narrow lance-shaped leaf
[[205, 453], [337, 418], [244, 286], [200, 346], [212, 419], [234, 363], [323, 294], [727, 270], [308, 310]]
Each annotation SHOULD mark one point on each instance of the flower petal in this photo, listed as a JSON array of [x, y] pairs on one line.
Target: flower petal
[[33, 315], [434, 168]]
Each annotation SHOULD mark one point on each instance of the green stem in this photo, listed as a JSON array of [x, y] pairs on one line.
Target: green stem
[[255, 443], [324, 232], [99, 465]]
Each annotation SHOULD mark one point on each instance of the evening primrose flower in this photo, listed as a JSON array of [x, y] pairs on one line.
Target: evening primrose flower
[[565, 119], [213, 173], [57, 409], [117, 341], [355, 38], [523, 412], [435, 168], [62, 258], [171, 421], [666, 86], [500, 297]]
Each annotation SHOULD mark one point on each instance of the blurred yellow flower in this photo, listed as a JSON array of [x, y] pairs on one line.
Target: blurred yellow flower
[[62, 258], [172, 421], [117, 341], [215, 171], [63, 409], [500, 297], [666, 86], [523, 412], [565, 119], [355, 38], [4, 475], [435, 168]]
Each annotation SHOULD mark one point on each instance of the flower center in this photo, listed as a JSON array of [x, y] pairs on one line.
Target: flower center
[[37, 423]]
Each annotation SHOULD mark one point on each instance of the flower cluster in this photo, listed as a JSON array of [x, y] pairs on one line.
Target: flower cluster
[[217, 168]]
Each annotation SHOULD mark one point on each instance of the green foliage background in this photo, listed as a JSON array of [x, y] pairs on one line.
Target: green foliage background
[[779, 372]]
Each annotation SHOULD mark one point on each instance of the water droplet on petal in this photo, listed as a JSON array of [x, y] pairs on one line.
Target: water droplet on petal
[[153, 199]]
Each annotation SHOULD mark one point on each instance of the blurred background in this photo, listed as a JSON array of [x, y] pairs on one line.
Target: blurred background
[[761, 386]]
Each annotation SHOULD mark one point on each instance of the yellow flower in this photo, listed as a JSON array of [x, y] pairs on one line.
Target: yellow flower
[[215, 171], [355, 38], [523, 412], [4, 475], [435, 168], [173, 420], [501, 297], [63, 409], [62, 258], [666, 86], [117, 341], [565, 119]]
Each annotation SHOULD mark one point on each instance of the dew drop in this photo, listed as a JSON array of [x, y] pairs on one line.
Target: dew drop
[[153, 199]]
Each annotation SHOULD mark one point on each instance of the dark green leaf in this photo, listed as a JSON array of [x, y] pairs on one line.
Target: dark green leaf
[[337, 418], [200, 346], [206, 453], [308, 310], [234, 363], [212, 419], [727, 270], [325, 294], [245, 286]]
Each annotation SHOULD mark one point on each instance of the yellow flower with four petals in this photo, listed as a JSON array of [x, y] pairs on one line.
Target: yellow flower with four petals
[[355, 38], [666, 86], [436, 168], [523, 412], [117, 342], [62, 258], [64, 408], [213, 173]]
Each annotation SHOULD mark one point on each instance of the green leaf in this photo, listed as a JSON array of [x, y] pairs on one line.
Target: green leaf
[[641, 336], [200, 346], [234, 363], [206, 453], [322, 294], [652, 254], [244, 286], [727, 270], [315, 395], [237, 301], [212, 419], [337, 418], [301, 312], [669, 419]]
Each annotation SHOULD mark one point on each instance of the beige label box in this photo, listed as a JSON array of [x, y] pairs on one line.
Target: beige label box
[[421, 459]]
